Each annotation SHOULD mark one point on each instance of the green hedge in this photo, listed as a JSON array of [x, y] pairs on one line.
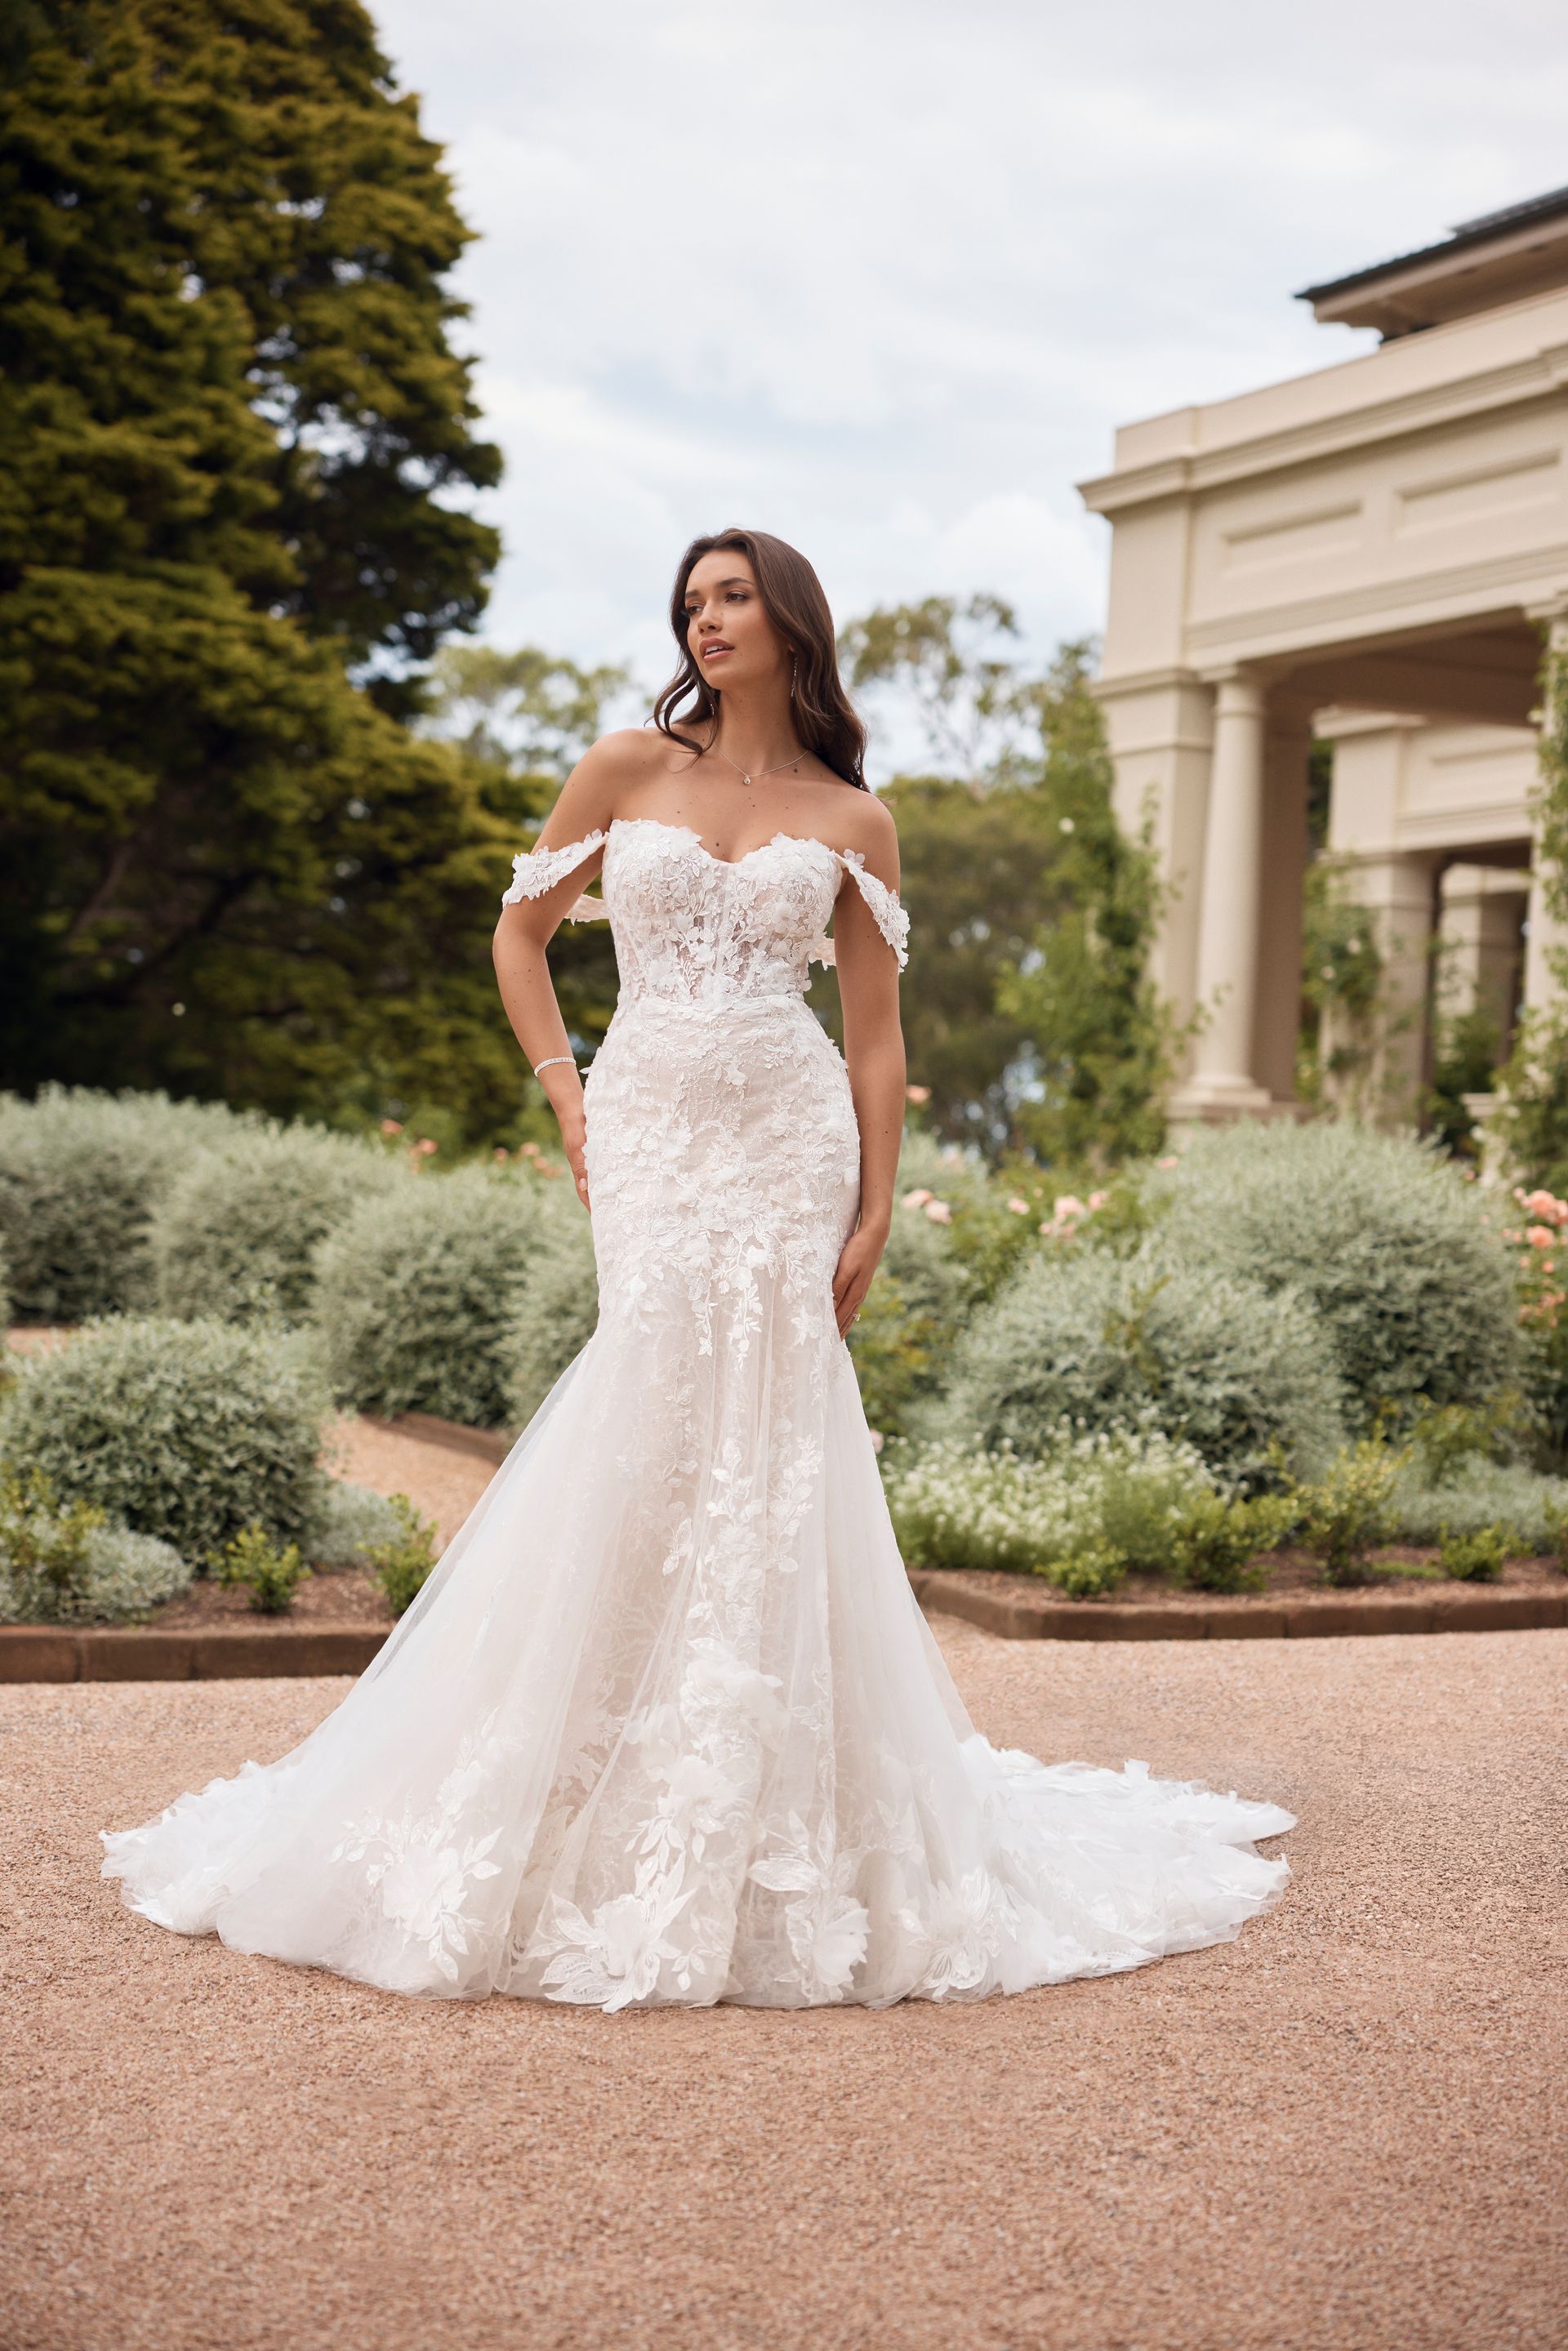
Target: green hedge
[[81, 1174], [1139, 1343], [1389, 1243], [417, 1291], [189, 1431], [557, 1306], [236, 1233]]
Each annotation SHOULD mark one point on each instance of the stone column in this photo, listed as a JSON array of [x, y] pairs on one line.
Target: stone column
[[1277, 1024], [1222, 1084], [1478, 967], [1380, 1074]]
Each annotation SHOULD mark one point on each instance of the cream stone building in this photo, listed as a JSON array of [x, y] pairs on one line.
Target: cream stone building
[[1369, 554]]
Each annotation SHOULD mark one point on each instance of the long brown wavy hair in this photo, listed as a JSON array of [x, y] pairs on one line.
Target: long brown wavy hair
[[793, 601]]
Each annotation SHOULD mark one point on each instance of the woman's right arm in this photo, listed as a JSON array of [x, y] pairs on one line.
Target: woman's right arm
[[586, 806]]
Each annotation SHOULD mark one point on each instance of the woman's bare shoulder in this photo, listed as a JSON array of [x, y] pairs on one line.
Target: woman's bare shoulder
[[866, 826]]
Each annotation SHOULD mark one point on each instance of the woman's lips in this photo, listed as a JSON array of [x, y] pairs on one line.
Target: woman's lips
[[717, 651]]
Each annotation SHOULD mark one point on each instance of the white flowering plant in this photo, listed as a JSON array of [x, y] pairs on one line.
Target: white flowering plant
[[1091, 1506]]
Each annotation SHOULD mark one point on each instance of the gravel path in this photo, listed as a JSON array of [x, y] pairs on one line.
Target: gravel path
[[1336, 2132]]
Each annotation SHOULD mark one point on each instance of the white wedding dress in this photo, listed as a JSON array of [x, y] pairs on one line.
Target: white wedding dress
[[666, 1724]]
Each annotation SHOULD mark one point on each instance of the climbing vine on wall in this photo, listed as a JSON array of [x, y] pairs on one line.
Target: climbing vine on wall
[[1533, 1121]]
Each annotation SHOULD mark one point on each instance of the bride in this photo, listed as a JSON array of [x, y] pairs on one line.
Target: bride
[[666, 1724]]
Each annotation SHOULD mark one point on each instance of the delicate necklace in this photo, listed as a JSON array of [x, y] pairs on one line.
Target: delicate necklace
[[745, 779]]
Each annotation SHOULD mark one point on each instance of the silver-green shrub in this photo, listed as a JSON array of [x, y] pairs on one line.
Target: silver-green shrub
[[416, 1292], [234, 1235], [957, 1504], [81, 1172], [347, 1524], [924, 1286], [188, 1431], [121, 1576], [556, 1307], [1392, 1246], [1145, 1342], [1480, 1494]]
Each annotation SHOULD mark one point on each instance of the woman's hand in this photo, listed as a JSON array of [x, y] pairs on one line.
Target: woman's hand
[[861, 1254], [573, 1126]]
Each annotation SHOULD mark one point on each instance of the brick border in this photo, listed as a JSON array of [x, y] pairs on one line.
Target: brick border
[[103, 1653], [49, 1652], [1033, 1615]]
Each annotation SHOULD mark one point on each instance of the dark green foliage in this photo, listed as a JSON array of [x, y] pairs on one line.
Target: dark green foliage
[[1102, 1041], [231, 428]]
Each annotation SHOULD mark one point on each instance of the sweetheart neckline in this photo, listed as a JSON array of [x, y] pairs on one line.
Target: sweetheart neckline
[[688, 832]]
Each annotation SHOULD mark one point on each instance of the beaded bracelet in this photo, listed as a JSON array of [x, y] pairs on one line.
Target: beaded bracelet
[[550, 1061]]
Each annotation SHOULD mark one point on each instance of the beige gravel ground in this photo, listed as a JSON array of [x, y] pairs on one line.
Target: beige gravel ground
[[1338, 2132]]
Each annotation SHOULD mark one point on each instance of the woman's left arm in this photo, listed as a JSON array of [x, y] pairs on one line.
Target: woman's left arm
[[873, 1052]]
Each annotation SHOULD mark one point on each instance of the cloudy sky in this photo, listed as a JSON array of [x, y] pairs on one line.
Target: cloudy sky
[[882, 275]]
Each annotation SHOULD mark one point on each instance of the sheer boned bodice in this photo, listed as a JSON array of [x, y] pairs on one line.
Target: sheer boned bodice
[[691, 927]]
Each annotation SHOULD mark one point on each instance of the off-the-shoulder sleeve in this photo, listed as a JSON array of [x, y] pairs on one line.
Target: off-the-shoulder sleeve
[[886, 913], [534, 871]]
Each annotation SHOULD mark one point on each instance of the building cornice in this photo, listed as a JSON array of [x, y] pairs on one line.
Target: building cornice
[[1501, 584], [1542, 376]]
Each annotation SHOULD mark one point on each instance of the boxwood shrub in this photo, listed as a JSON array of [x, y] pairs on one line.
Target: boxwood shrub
[[81, 1172], [416, 1292], [188, 1431], [1143, 1342], [1392, 1246], [235, 1234], [557, 1306]]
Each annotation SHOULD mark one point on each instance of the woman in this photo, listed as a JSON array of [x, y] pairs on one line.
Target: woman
[[666, 1724]]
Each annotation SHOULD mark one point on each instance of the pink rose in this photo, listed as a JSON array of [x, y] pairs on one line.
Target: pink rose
[[1020, 1208], [1541, 1237], [917, 1094], [1064, 1206], [915, 1200], [939, 1212], [1098, 1199]]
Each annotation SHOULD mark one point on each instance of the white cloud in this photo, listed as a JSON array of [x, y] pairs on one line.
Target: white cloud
[[882, 275]]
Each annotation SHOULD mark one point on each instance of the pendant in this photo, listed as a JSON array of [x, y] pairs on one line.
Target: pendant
[[746, 781]]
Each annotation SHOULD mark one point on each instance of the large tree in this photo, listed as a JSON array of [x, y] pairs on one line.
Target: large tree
[[232, 424]]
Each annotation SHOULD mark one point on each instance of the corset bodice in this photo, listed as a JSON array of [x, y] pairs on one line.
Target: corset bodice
[[691, 927]]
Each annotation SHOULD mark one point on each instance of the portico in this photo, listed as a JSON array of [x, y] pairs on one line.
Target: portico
[[1371, 553]]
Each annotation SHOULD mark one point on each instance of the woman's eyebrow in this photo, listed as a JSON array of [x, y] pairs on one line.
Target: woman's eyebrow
[[735, 582]]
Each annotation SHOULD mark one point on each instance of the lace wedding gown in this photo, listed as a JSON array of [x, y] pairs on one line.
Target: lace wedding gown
[[666, 1724]]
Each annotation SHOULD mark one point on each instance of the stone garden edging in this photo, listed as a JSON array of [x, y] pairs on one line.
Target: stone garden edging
[[50, 1653], [1033, 1614]]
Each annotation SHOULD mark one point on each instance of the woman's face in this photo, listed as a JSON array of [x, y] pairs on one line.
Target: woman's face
[[732, 640]]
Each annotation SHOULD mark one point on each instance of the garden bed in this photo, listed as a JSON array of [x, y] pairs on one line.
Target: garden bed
[[339, 1620], [1294, 1603]]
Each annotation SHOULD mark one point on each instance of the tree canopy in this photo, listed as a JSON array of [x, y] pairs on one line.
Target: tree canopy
[[1028, 1013], [235, 438]]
